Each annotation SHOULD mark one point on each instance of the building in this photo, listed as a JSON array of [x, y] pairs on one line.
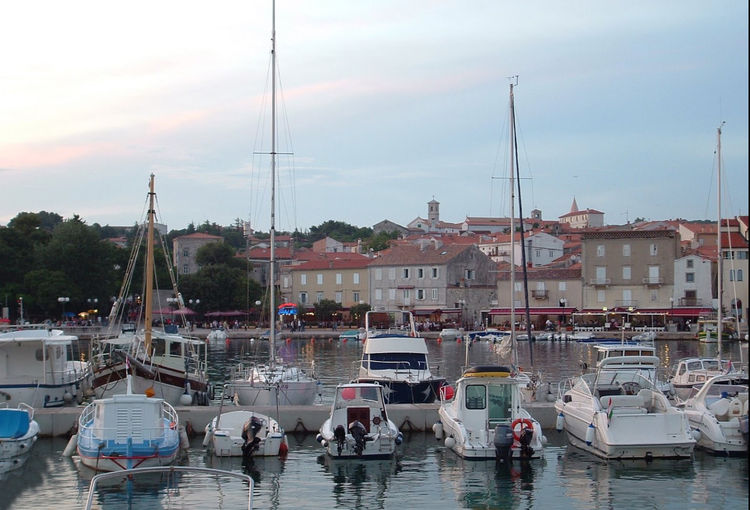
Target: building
[[587, 218], [541, 248], [342, 278], [185, 249], [628, 269], [437, 282]]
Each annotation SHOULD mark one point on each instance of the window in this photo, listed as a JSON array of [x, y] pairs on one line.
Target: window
[[185, 269], [731, 275], [303, 279], [355, 278], [338, 278], [689, 277], [626, 272], [626, 250], [601, 274], [420, 273], [318, 297], [739, 275], [378, 294], [391, 273], [600, 296], [407, 293], [285, 281], [742, 255], [435, 273], [653, 274], [469, 274], [519, 286], [654, 296], [319, 278], [600, 250], [653, 250], [355, 296], [562, 286], [538, 253], [378, 273], [405, 273], [689, 263], [303, 297], [420, 294], [392, 294], [434, 294], [540, 286], [475, 397], [627, 297], [185, 252], [338, 297], [551, 253]]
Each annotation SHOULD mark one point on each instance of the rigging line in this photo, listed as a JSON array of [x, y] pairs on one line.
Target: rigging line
[[288, 133], [709, 191], [503, 133], [258, 184], [528, 163]]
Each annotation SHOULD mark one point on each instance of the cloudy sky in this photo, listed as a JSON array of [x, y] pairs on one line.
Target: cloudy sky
[[384, 105]]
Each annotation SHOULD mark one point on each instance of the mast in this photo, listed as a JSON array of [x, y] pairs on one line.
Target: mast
[[514, 148], [149, 267], [719, 269], [272, 269], [514, 351]]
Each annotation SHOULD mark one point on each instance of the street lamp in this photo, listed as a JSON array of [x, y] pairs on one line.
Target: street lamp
[[63, 300]]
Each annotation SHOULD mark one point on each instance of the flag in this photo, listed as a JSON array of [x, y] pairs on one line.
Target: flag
[[127, 364], [729, 367], [609, 410]]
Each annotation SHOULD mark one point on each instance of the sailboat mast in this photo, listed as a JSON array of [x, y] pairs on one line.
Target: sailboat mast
[[149, 268], [512, 237], [272, 264], [719, 264]]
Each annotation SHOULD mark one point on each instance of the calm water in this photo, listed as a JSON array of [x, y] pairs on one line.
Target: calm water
[[425, 475]]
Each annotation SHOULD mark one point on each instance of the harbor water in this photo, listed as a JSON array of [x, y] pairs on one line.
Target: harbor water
[[424, 475]]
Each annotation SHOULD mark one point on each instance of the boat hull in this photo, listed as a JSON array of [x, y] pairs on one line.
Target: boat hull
[[226, 440], [14, 447], [295, 393]]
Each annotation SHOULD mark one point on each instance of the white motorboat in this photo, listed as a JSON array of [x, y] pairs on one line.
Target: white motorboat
[[718, 411], [18, 432], [358, 425], [164, 363], [450, 334], [37, 369], [485, 418], [245, 434], [128, 431], [217, 335], [633, 356], [619, 414], [691, 372], [395, 357]]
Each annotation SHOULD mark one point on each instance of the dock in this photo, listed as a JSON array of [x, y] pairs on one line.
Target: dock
[[62, 421]]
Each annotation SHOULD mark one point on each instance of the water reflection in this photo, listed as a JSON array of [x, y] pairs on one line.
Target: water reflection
[[359, 483]]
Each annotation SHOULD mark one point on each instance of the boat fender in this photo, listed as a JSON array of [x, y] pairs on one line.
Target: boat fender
[[450, 442], [560, 423], [590, 434], [696, 434], [283, 449], [399, 438], [437, 429], [186, 399], [184, 441], [319, 438], [70, 448], [209, 434], [68, 397]]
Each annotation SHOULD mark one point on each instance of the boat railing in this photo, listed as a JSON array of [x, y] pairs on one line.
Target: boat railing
[[130, 474], [85, 420]]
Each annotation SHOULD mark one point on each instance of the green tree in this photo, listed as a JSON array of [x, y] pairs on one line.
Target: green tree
[[358, 313], [325, 308], [213, 254]]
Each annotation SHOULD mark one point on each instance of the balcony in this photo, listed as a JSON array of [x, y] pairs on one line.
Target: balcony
[[600, 282], [653, 281], [540, 294], [623, 303], [691, 301]]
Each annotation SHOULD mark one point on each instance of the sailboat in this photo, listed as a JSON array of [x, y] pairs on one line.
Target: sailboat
[[164, 363], [273, 383], [485, 417]]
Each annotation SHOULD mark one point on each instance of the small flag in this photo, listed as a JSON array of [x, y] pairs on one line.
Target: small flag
[[127, 364], [609, 409], [729, 367]]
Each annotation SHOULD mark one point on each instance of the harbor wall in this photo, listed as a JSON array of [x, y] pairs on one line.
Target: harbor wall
[[294, 419]]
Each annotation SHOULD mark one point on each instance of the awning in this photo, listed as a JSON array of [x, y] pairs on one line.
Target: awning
[[230, 313], [683, 311], [550, 310], [423, 313]]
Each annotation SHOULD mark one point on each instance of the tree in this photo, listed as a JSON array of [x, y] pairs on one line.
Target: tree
[[213, 254], [325, 308], [358, 312]]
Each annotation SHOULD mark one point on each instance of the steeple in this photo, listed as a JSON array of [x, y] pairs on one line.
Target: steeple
[[574, 207]]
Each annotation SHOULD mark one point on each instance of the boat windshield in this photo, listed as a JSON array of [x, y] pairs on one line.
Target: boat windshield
[[395, 361], [500, 403]]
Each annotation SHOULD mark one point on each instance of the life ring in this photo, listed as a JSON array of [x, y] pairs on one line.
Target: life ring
[[525, 424]]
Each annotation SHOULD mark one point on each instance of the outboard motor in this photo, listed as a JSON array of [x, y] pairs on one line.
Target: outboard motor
[[250, 434], [525, 440], [339, 433], [503, 441], [359, 433]]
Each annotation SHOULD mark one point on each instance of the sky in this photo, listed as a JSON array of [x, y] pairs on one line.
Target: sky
[[383, 105]]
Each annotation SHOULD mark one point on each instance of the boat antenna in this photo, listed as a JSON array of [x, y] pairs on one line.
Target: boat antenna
[[272, 261]]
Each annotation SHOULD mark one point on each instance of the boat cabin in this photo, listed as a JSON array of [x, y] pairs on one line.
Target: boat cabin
[[486, 397]]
